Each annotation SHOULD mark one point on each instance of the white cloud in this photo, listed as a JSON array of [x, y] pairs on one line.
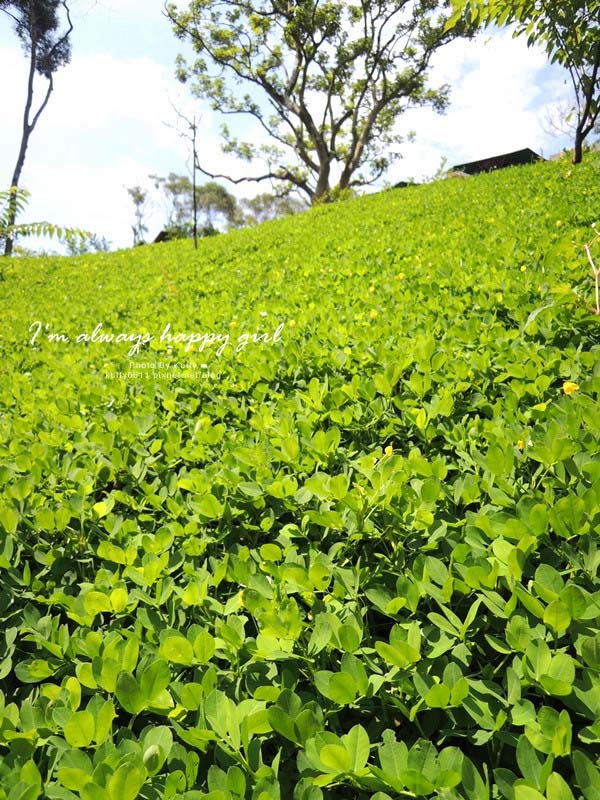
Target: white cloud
[[109, 124], [500, 93]]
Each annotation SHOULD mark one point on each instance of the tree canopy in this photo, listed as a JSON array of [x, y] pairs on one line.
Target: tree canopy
[[324, 81], [212, 200]]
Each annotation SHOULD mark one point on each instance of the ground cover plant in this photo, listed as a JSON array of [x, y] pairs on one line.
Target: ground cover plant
[[359, 561]]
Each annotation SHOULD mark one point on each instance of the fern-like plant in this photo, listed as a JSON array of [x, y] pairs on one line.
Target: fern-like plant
[[18, 199]]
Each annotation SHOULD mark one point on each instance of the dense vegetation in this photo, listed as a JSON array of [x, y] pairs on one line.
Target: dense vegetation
[[360, 561]]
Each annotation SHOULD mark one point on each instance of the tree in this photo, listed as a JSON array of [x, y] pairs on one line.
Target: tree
[[177, 190], [37, 24], [183, 203], [267, 206], [569, 31], [139, 198], [82, 247], [215, 201], [325, 81]]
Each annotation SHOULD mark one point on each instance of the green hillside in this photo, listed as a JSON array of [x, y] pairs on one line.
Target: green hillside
[[355, 558]]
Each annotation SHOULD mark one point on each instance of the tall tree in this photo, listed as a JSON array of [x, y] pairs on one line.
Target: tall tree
[[215, 201], [325, 80], [39, 26], [185, 200], [569, 31]]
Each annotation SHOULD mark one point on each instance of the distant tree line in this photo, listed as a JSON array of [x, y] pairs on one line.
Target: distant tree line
[[217, 209]]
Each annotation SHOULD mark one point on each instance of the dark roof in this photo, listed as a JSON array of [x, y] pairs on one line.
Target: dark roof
[[518, 157], [404, 184], [163, 236]]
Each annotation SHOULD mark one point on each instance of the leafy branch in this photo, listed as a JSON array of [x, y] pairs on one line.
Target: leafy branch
[[17, 198]]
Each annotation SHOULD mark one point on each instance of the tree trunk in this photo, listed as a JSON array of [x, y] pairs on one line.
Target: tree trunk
[[578, 150], [322, 188], [12, 203], [194, 196], [26, 133]]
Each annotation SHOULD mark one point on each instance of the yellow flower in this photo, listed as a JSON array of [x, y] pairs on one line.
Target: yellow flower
[[569, 387], [374, 313], [292, 323], [401, 276], [389, 450], [523, 268], [371, 290], [520, 444]]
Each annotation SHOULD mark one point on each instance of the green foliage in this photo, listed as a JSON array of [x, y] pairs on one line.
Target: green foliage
[[266, 206], [213, 201], [18, 200], [37, 24], [326, 82], [359, 562]]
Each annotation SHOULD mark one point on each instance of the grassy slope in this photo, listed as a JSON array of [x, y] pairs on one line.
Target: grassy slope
[[405, 326]]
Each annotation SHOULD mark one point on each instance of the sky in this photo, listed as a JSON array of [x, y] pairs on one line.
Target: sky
[[111, 121]]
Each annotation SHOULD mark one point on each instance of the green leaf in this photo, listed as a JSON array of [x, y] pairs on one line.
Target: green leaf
[[79, 729], [523, 792], [335, 758], [155, 679], [357, 745], [177, 649], [125, 783], [282, 723], [529, 761], [349, 638], [400, 655], [129, 693], [33, 671], [588, 776], [204, 647], [557, 788], [342, 689], [210, 507], [557, 616], [9, 519]]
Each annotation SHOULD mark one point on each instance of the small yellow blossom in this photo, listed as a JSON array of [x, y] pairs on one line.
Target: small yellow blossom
[[401, 276], [292, 323], [569, 387], [371, 290], [389, 450], [558, 223], [523, 268], [374, 313], [520, 444]]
